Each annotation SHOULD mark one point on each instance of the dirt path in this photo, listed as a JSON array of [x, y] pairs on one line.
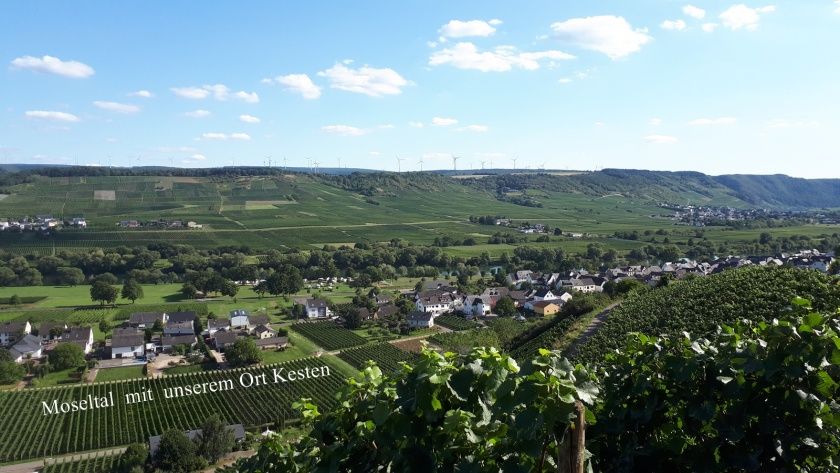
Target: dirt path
[[590, 329]]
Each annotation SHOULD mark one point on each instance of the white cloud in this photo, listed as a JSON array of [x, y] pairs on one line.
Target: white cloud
[[661, 139], [51, 115], [142, 93], [365, 80], [248, 119], [675, 25], [741, 16], [785, 123], [837, 3], [197, 114], [709, 27], [610, 35], [219, 92], [116, 107], [495, 22], [416, 124], [441, 121], [474, 128], [54, 65], [500, 59], [712, 121], [343, 130], [225, 136], [694, 12], [198, 157], [655, 121], [564, 80], [463, 29], [298, 83]]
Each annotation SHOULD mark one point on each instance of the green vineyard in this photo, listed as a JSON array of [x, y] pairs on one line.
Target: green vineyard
[[453, 322], [30, 433], [386, 356], [329, 335], [95, 463]]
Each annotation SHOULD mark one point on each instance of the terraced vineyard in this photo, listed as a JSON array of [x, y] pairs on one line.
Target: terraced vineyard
[[386, 356], [101, 463], [453, 322], [28, 433], [329, 335]]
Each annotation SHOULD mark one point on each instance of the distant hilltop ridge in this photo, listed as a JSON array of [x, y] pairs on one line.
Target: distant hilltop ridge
[[740, 190]]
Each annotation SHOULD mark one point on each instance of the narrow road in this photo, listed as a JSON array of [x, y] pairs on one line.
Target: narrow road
[[590, 329]]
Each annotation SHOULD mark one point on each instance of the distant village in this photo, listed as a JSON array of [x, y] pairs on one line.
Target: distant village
[[47, 224], [700, 216]]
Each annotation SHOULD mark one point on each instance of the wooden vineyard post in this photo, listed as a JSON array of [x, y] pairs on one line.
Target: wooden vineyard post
[[572, 452]]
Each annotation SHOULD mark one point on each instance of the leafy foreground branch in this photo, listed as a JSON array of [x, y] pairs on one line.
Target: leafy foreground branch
[[751, 397], [478, 412]]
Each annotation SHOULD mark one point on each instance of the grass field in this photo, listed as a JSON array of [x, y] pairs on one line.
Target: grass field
[[119, 374]]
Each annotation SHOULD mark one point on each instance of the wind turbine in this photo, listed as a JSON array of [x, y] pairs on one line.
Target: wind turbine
[[316, 163], [514, 163], [421, 164], [268, 161], [399, 163], [482, 164], [309, 164], [455, 162]]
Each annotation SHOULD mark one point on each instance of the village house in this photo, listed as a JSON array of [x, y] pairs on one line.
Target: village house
[[545, 307], [169, 342], [27, 348], [128, 344], [223, 339], [82, 336], [420, 319], [264, 331], [477, 306], [437, 302], [317, 308], [214, 325], [272, 343], [144, 320], [179, 328], [239, 319], [51, 330], [11, 332]]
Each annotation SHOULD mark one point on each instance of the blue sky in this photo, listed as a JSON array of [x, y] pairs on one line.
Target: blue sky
[[717, 87]]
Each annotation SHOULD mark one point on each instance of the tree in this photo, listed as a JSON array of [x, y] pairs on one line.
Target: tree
[[287, 280], [351, 316], [107, 278], [229, 288], [10, 372], [30, 277], [70, 276], [104, 326], [103, 292], [261, 288], [177, 453], [189, 291], [244, 352], [132, 291], [506, 307], [15, 300], [135, 455], [215, 440], [67, 355]]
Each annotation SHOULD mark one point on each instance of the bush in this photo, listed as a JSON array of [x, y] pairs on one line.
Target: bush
[[67, 355]]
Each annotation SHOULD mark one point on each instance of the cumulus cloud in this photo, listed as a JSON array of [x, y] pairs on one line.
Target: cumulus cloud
[[416, 124], [607, 34], [442, 121], [248, 119], [837, 5], [343, 130], [116, 107], [500, 59], [52, 116], [712, 121], [694, 12], [709, 27], [741, 16], [674, 25], [142, 93], [54, 65], [197, 113], [226, 136], [463, 29], [661, 139], [365, 80], [219, 92], [474, 128], [298, 83]]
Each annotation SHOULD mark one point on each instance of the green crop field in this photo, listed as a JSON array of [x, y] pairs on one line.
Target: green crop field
[[386, 356], [297, 210], [29, 433]]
